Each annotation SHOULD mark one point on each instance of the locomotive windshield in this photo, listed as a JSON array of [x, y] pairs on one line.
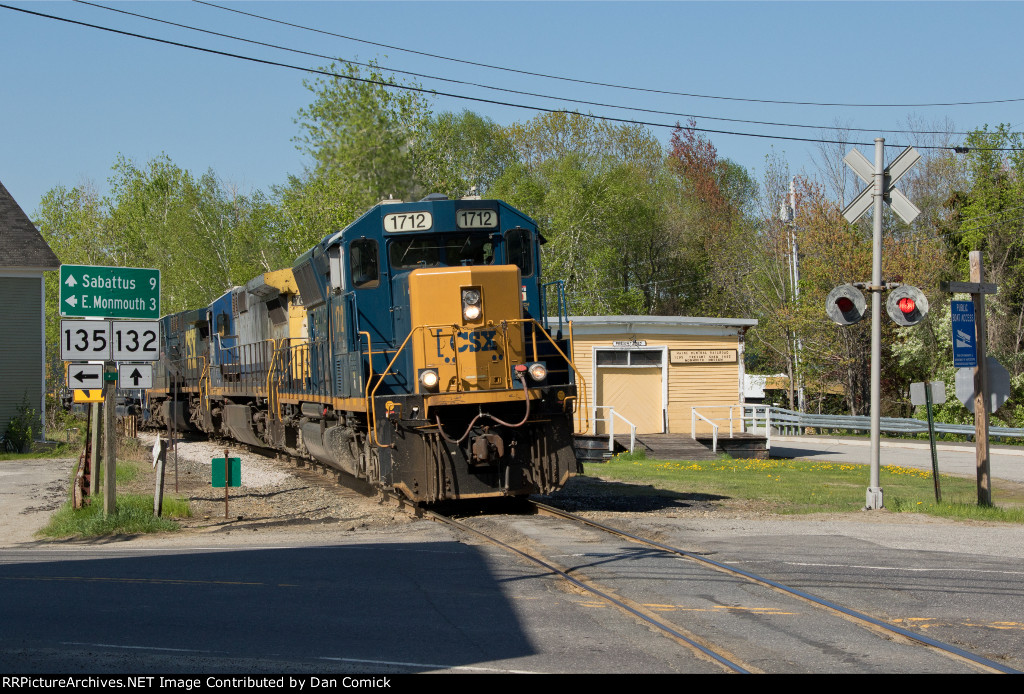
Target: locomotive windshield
[[412, 252]]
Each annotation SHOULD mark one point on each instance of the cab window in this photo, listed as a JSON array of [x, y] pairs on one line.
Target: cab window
[[363, 263], [519, 250], [468, 249], [415, 251]]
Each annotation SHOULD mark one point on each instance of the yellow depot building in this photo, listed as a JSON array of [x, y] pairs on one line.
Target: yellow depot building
[[654, 369]]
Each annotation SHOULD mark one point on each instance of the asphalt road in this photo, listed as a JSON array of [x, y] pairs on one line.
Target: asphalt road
[[421, 598], [1007, 462]]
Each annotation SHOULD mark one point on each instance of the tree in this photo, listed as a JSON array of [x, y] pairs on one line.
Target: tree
[[711, 225], [462, 152], [598, 192], [361, 132]]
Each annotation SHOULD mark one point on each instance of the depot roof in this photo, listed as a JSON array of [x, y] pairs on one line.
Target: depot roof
[[679, 325]]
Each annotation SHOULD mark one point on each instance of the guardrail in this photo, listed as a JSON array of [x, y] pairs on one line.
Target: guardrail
[[612, 414], [796, 423]]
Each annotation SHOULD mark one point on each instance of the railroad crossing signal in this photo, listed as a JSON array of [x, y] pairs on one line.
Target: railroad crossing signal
[[845, 305], [899, 202], [907, 305]]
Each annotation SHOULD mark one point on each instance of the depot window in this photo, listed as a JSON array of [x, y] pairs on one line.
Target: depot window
[[630, 357]]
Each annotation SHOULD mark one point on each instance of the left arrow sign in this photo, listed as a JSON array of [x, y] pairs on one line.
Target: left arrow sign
[[85, 376]]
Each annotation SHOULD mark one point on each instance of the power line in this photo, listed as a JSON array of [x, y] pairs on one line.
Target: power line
[[390, 85], [600, 84], [507, 90]]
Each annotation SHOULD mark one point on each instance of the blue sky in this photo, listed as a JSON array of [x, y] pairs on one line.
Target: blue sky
[[73, 98]]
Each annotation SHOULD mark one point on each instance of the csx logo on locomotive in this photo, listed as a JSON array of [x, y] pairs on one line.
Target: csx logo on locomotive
[[468, 341]]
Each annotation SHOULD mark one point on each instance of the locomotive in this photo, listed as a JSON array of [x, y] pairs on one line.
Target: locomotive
[[413, 349]]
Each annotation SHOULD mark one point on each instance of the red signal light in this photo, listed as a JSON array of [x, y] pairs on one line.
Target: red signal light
[[845, 304], [907, 305]]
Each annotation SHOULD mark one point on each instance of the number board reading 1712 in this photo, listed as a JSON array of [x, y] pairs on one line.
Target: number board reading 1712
[[90, 291]]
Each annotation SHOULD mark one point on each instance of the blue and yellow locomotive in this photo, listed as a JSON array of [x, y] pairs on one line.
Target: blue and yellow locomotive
[[412, 349]]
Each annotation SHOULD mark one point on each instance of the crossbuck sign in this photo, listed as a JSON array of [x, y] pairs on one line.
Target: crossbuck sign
[[899, 202]]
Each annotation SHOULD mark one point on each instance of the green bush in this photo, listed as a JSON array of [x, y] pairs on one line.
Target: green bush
[[19, 429]]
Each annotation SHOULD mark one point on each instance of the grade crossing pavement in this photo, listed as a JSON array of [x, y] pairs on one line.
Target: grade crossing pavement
[[1006, 462]]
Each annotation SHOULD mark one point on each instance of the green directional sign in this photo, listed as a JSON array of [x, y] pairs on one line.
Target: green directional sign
[[97, 291]]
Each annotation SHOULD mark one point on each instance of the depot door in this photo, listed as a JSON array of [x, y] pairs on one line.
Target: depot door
[[632, 382]]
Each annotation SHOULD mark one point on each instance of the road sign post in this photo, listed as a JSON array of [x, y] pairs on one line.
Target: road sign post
[[927, 394], [982, 398], [85, 340], [981, 388], [110, 443]]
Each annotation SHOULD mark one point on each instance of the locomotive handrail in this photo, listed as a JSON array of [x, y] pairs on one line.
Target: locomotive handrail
[[247, 380], [370, 401], [272, 400], [204, 401], [369, 351], [372, 405]]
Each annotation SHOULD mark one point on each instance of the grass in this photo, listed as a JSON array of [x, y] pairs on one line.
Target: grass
[[133, 513], [50, 449], [794, 487]]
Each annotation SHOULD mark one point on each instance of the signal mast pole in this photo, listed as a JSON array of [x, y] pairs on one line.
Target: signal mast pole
[[874, 493], [908, 305]]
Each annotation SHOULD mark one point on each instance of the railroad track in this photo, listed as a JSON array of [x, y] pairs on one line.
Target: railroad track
[[729, 647]]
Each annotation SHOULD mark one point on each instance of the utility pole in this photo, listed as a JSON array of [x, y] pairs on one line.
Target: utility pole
[[788, 216]]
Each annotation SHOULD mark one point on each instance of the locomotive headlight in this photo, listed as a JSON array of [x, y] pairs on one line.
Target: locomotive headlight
[[471, 308], [429, 379], [537, 371]]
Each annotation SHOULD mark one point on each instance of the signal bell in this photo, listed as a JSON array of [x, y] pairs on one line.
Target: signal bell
[[845, 305], [906, 305]]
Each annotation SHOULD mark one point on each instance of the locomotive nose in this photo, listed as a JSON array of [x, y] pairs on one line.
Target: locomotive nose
[[467, 319]]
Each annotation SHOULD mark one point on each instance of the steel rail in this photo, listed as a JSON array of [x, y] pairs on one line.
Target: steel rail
[[704, 650], [945, 648]]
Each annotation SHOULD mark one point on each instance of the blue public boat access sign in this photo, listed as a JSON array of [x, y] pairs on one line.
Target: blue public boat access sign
[[965, 351]]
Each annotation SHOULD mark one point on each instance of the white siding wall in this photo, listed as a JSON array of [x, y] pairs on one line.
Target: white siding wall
[[21, 347]]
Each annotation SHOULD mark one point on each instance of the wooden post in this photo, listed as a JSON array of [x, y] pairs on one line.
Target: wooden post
[[109, 441], [94, 480], [159, 462], [981, 387]]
